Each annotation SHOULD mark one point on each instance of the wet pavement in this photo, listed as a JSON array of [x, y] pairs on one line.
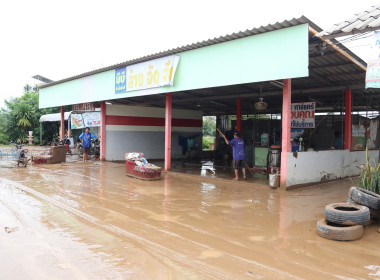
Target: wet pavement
[[90, 221]]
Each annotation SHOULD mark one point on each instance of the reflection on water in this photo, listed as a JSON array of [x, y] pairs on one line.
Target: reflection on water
[[166, 201], [209, 191]]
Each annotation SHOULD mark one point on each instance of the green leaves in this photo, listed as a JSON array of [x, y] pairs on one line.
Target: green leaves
[[22, 114], [209, 126], [370, 176]]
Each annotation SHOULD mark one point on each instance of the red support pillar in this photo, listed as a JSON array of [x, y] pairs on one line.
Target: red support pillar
[[168, 131], [62, 132], [286, 116], [103, 131], [238, 114], [347, 119]]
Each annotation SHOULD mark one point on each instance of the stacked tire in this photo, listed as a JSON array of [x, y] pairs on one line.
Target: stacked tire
[[343, 221], [366, 198]]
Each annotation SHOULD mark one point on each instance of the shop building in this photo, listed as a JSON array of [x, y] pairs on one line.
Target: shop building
[[147, 104]]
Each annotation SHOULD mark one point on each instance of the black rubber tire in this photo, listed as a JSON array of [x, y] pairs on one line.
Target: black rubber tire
[[375, 215], [347, 214], [364, 197], [339, 232]]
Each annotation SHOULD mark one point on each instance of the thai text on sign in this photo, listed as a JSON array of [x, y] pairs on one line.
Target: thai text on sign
[[91, 119], [303, 115], [155, 73]]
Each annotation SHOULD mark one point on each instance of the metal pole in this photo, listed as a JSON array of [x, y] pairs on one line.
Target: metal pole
[[217, 133], [40, 133], [238, 114]]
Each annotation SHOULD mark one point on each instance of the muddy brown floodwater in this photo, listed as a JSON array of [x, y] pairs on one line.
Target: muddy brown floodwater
[[91, 221]]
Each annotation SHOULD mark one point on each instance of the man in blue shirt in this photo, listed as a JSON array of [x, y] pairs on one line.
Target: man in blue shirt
[[85, 138], [238, 154]]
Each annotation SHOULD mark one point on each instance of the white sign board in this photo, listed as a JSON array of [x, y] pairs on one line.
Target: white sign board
[[154, 73], [76, 121], [91, 119], [303, 115], [372, 78], [82, 120]]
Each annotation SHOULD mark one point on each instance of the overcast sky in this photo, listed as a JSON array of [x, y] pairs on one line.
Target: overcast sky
[[59, 39]]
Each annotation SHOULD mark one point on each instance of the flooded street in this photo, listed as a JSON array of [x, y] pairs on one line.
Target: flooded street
[[91, 221]]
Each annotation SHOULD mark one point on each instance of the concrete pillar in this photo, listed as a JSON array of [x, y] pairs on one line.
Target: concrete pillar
[[286, 116], [168, 131], [103, 130], [347, 119], [62, 133], [238, 114]]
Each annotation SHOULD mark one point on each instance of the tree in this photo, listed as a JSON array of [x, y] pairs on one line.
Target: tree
[[3, 136], [209, 126], [22, 114], [27, 88]]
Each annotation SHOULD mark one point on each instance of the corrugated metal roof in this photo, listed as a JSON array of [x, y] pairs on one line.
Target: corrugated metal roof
[[222, 39], [366, 21]]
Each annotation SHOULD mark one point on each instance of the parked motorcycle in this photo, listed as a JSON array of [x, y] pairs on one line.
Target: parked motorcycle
[[63, 142], [94, 148], [21, 157], [66, 142]]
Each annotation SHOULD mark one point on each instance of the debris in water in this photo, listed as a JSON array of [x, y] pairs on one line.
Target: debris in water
[[10, 229], [210, 171], [250, 273]]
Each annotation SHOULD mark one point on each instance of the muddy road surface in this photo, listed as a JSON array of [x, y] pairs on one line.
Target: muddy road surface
[[90, 221]]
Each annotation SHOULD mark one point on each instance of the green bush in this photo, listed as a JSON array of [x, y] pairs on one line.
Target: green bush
[[370, 175], [3, 139], [206, 141]]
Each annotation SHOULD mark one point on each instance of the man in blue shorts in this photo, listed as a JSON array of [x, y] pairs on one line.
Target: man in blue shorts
[[85, 137], [238, 154]]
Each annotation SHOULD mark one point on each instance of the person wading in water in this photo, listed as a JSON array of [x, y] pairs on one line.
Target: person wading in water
[[85, 137], [237, 152]]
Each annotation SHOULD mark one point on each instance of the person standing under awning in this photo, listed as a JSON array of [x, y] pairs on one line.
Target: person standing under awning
[[238, 154]]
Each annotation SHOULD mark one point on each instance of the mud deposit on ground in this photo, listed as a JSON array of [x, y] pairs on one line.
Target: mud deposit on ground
[[90, 221]]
